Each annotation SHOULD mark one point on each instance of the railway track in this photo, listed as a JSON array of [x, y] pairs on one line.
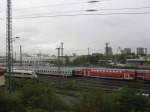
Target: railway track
[[104, 84], [115, 84]]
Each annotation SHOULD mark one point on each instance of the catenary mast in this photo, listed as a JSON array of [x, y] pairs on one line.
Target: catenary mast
[[9, 45]]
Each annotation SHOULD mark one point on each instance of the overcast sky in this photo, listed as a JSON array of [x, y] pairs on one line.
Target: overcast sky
[[77, 32]]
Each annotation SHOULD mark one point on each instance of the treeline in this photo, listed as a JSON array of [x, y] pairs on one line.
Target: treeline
[[35, 96], [98, 59]]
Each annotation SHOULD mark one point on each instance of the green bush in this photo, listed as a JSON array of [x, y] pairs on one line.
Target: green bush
[[10, 102], [129, 100], [34, 96], [40, 96], [96, 101], [71, 85]]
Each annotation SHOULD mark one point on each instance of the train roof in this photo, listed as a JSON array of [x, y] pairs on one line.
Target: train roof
[[143, 70], [111, 69], [25, 71]]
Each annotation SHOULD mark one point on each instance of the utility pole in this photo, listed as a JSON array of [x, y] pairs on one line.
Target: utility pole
[[146, 54], [106, 49], [58, 59], [88, 57], [20, 55], [15, 58], [9, 45], [62, 53]]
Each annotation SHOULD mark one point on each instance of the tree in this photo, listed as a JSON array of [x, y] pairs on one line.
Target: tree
[[10, 102], [40, 96], [129, 100], [96, 101], [67, 60]]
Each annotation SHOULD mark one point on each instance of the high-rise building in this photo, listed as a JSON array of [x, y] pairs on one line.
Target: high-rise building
[[126, 51], [108, 51], [140, 51]]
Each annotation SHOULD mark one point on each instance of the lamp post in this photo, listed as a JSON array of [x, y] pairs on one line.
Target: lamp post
[[58, 59], [20, 55], [13, 40]]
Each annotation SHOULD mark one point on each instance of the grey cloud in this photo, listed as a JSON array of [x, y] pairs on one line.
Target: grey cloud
[[80, 32]]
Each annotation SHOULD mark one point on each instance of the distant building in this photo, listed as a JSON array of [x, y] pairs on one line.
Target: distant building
[[96, 54], [37, 59], [140, 51], [108, 51], [126, 51], [2, 60], [138, 62], [105, 62], [72, 58], [74, 54]]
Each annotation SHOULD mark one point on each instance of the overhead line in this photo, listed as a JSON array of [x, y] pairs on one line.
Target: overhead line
[[36, 14], [89, 10], [71, 15], [128, 8], [103, 9], [53, 5], [47, 16], [60, 4]]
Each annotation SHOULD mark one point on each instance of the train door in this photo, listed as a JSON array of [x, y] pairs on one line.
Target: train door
[[84, 72], [126, 76], [88, 73]]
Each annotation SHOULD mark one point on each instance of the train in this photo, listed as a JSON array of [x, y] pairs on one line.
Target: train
[[120, 74], [18, 73], [107, 73], [24, 74]]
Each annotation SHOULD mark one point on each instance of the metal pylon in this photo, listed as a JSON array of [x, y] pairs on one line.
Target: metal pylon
[[9, 45]]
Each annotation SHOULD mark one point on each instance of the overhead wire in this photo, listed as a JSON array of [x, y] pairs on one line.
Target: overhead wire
[[53, 13], [71, 15], [54, 5], [46, 15], [93, 10], [102, 9], [127, 8]]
